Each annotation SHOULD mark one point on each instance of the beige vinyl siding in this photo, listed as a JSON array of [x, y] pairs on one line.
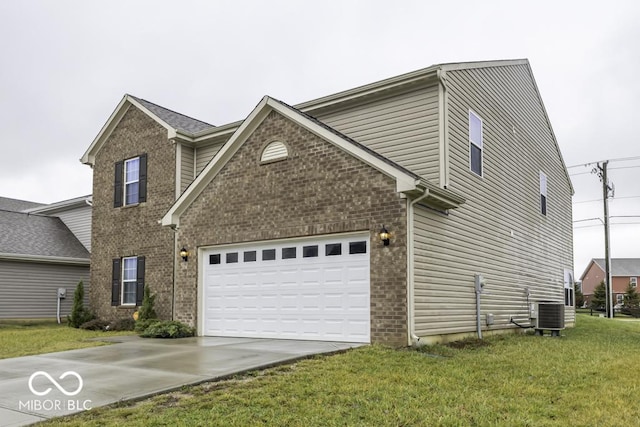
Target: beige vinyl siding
[[403, 127], [78, 220], [29, 290], [499, 232], [206, 151], [187, 165]]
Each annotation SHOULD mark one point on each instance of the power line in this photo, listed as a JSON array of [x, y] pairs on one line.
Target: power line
[[599, 200], [625, 167], [600, 225], [620, 159], [588, 219], [590, 172]]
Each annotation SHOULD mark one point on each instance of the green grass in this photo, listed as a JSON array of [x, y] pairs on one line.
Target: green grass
[[29, 337], [587, 377]]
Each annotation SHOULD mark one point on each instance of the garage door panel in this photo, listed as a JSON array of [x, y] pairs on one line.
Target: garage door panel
[[319, 297]]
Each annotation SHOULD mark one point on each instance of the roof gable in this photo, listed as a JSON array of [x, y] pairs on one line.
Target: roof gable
[[175, 123], [16, 205], [405, 180], [175, 120], [620, 267]]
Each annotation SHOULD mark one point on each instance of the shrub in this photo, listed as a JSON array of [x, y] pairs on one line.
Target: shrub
[[127, 324], [142, 325], [168, 329], [79, 314], [146, 310], [94, 325], [146, 314]]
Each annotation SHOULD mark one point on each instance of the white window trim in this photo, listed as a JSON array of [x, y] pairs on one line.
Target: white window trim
[[633, 281], [123, 281], [125, 182], [481, 146], [569, 285], [619, 299], [544, 182]]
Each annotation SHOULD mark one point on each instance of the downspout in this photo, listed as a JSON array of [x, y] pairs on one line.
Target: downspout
[[479, 285], [412, 337]]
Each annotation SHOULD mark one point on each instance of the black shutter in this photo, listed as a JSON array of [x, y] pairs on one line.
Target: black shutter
[[142, 178], [140, 281], [115, 283], [117, 185]]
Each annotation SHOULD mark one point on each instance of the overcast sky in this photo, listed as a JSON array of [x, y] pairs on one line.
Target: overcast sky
[[67, 64]]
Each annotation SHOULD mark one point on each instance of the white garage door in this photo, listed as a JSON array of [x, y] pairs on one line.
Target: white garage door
[[297, 289]]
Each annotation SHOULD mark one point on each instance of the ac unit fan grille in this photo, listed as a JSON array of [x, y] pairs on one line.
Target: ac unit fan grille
[[550, 316]]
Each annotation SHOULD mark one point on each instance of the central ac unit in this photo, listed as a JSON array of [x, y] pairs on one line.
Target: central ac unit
[[550, 316]]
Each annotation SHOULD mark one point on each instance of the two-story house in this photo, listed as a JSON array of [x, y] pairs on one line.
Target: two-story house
[[43, 248], [624, 272], [365, 216]]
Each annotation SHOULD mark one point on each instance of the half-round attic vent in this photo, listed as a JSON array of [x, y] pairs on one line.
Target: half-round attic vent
[[274, 151]]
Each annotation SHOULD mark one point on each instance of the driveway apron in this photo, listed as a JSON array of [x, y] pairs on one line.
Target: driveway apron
[[34, 388]]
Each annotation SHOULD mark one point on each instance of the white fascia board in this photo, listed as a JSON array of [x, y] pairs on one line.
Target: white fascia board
[[44, 259], [89, 156], [171, 131], [482, 64], [404, 181], [60, 206], [172, 217]]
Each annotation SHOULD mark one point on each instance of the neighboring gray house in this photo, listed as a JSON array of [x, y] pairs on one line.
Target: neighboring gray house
[[360, 216], [42, 248]]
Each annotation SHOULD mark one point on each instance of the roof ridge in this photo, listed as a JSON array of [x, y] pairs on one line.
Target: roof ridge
[[170, 110]]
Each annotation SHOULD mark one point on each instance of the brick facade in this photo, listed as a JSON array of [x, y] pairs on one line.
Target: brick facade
[[133, 230], [320, 189]]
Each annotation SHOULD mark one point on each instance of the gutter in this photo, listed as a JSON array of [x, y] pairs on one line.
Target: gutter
[[412, 338], [44, 259]]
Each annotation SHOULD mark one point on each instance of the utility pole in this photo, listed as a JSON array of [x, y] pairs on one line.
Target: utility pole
[[606, 188]]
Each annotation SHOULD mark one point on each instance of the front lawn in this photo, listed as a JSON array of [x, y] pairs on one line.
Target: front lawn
[[586, 377], [25, 338]]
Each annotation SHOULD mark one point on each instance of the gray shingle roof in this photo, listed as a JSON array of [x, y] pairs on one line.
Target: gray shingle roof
[[622, 266], [32, 234], [16, 205], [174, 119]]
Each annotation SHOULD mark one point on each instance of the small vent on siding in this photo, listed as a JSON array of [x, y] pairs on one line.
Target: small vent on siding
[[274, 151]]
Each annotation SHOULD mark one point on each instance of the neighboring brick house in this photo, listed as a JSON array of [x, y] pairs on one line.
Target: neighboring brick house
[[624, 271], [362, 216]]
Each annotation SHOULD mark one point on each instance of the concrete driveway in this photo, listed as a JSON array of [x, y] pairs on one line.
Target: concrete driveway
[[34, 388]]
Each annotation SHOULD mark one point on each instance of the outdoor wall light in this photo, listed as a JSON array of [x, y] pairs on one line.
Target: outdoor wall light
[[184, 254], [384, 236]]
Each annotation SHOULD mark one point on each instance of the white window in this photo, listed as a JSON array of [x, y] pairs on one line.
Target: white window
[[475, 143], [568, 288], [131, 181], [619, 299], [543, 193], [633, 281], [129, 280]]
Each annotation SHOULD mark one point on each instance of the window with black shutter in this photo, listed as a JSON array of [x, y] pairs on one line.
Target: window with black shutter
[[130, 182]]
